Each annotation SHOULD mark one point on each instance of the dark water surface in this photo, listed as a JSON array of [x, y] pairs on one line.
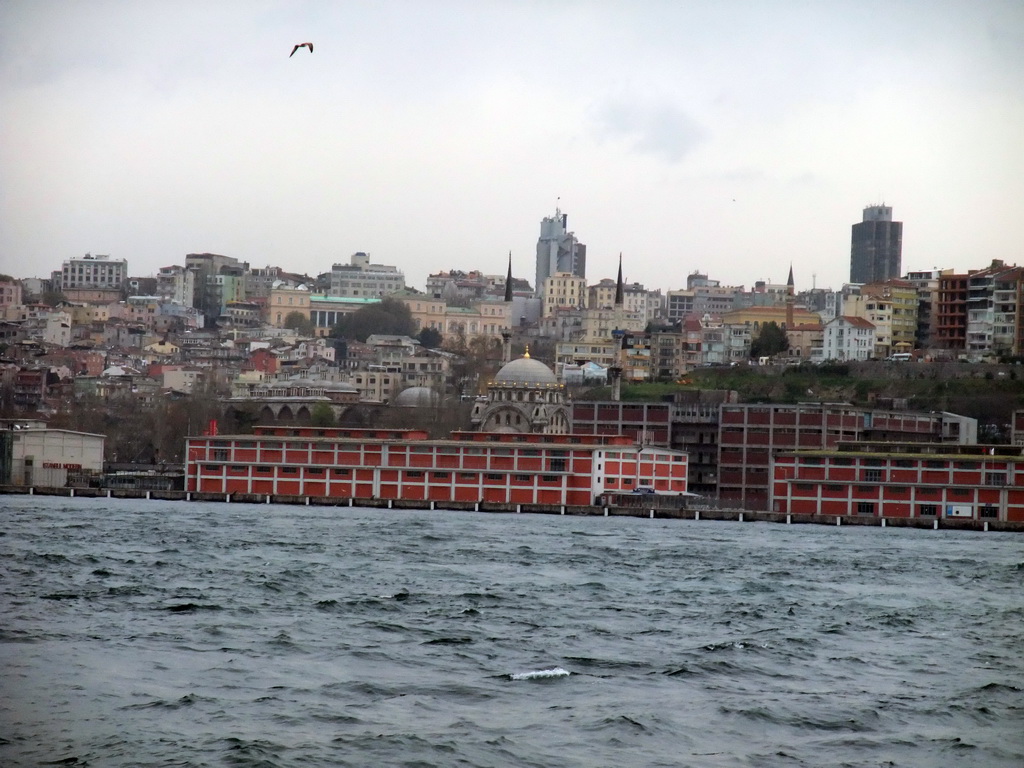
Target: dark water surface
[[146, 633]]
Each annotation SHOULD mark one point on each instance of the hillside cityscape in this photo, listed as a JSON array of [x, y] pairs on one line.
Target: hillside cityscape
[[217, 345]]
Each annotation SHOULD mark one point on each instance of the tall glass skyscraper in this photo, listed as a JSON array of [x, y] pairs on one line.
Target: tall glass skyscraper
[[876, 247]]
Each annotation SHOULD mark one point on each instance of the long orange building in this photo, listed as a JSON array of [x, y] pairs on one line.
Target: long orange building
[[344, 463]]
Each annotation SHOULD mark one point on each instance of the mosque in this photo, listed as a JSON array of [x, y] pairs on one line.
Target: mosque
[[525, 397]]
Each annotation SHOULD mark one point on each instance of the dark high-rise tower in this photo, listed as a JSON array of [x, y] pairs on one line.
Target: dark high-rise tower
[[876, 247]]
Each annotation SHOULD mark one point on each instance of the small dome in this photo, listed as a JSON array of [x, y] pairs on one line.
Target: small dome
[[416, 396], [526, 371]]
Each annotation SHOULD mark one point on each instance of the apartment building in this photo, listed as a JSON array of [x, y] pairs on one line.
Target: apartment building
[[91, 271], [563, 291], [361, 279]]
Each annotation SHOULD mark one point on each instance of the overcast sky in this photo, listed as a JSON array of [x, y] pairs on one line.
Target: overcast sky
[[727, 137]]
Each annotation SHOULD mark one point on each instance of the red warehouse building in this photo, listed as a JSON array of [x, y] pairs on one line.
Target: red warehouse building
[[751, 434], [407, 465], [975, 482]]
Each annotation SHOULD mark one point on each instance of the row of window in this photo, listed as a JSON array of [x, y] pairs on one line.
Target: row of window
[[409, 474], [894, 489], [929, 510], [221, 454], [843, 461], [991, 478]]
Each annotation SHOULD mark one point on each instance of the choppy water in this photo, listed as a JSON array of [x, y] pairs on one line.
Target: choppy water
[[141, 633]]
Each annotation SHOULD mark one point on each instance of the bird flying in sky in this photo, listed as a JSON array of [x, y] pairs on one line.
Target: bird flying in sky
[[301, 45]]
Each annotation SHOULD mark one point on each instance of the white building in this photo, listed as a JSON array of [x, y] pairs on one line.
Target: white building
[[177, 285], [361, 279], [47, 457], [93, 272], [848, 338]]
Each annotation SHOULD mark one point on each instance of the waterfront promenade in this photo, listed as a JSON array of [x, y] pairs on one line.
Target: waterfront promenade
[[652, 507]]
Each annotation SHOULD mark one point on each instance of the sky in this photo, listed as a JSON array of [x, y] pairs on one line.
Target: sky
[[732, 138]]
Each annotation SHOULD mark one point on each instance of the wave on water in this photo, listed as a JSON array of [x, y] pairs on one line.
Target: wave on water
[[540, 674], [285, 637]]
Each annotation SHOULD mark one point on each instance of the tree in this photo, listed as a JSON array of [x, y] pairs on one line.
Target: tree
[[52, 298], [297, 321], [390, 316], [322, 416], [430, 338], [771, 340], [478, 359]]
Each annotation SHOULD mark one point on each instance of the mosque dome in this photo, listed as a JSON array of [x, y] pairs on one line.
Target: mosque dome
[[416, 396], [525, 371]]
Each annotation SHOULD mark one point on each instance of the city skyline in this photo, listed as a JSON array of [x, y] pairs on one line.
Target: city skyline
[[732, 141]]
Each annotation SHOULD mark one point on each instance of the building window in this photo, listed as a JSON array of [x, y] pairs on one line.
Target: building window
[[989, 510], [927, 510], [220, 454], [995, 478], [439, 475], [865, 508], [873, 475], [558, 465], [414, 473], [960, 492]]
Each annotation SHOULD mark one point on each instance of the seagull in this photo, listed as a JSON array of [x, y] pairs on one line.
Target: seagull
[[301, 45]]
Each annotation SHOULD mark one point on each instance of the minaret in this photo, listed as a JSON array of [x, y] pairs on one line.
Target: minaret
[[619, 297], [618, 284], [617, 337], [790, 299], [616, 373], [506, 332], [508, 279]]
